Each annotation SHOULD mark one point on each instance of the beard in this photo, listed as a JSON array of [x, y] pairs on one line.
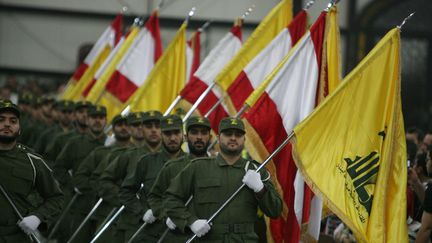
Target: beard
[[122, 137], [198, 151], [231, 152], [9, 139], [171, 149]]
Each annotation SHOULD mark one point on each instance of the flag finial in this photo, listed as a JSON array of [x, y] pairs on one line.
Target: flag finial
[[405, 20], [309, 4]]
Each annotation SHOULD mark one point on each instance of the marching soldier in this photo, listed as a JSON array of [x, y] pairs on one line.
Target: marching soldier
[[211, 181], [198, 138], [85, 183], [145, 172], [146, 135], [54, 148], [26, 180]]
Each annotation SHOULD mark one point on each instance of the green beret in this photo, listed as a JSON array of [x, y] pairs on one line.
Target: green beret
[[135, 117], [82, 104], [197, 121], [171, 122], [7, 105], [119, 118], [97, 110], [47, 100], [152, 116], [231, 123], [66, 105]]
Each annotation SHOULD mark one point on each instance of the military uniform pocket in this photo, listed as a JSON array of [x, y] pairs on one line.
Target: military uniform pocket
[[208, 190]]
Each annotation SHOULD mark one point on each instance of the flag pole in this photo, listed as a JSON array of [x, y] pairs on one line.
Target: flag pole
[[275, 152], [107, 224], [86, 219]]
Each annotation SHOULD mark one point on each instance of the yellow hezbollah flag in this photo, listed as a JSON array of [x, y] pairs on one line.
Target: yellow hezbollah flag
[[270, 26], [351, 149], [97, 93], [165, 80]]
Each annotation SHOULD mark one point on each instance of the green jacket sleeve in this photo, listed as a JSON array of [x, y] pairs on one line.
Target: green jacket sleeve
[[81, 178], [178, 192], [156, 195], [269, 200], [108, 181], [64, 163], [131, 186]]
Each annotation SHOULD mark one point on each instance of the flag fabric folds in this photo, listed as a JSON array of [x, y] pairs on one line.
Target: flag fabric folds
[[193, 54], [260, 66], [222, 53], [165, 80], [286, 97], [351, 149], [99, 52]]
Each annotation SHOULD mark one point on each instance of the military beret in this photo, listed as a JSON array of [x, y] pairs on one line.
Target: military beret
[[47, 100], [197, 121], [135, 117], [81, 104], [171, 122], [25, 98], [66, 105], [119, 118], [97, 110], [152, 116], [7, 105], [231, 123]]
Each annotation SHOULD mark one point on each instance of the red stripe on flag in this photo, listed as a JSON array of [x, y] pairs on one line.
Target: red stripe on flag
[[317, 35], [267, 122], [297, 26], [240, 90], [193, 89], [89, 87], [120, 86], [80, 71], [117, 25], [236, 30], [152, 26]]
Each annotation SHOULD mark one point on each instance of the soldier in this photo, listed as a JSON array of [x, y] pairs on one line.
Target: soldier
[[145, 172], [198, 137], [76, 150], [146, 135], [86, 185], [80, 127], [26, 179], [211, 181], [46, 119]]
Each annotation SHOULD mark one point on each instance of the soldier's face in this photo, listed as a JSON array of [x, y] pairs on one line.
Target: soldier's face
[[96, 123], [137, 131], [231, 142], [121, 131], [172, 140], [198, 138], [81, 115], [9, 127], [152, 132]]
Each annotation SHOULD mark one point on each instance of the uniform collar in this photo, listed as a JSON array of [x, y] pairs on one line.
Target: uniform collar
[[240, 163]]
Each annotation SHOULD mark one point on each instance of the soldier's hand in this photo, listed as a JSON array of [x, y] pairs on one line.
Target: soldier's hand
[[29, 224], [170, 224], [252, 179], [148, 217], [200, 227]]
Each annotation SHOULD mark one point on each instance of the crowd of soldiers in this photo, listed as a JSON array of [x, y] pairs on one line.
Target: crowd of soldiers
[[62, 181]]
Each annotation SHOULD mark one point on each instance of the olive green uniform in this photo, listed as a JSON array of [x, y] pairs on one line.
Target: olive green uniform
[[145, 171], [211, 181], [157, 193], [32, 188], [56, 145], [45, 138], [109, 184]]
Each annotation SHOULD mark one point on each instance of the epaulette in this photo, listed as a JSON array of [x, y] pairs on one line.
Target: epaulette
[[176, 160]]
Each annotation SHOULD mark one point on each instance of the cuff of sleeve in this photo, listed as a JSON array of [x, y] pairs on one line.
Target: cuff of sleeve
[[260, 195]]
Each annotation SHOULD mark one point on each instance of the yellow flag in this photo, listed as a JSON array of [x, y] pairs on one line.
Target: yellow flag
[[166, 79], [351, 149], [269, 27]]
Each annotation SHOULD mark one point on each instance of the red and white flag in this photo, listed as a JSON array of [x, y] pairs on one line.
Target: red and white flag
[[138, 61], [193, 54], [258, 69], [219, 56], [288, 95]]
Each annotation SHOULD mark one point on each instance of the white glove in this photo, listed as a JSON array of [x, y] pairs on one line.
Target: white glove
[[148, 217], [252, 179], [170, 224], [29, 224], [200, 227]]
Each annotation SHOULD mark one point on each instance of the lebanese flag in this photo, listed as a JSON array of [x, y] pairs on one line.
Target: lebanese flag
[[221, 54], [193, 54], [138, 61], [289, 95], [100, 50]]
